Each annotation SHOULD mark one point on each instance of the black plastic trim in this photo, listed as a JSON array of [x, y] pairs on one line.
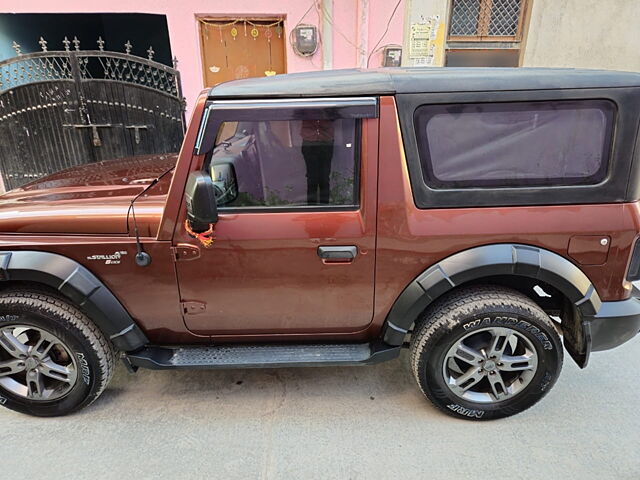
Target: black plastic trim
[[615, 323], [219, 111], [615, 188], [81, 286], [389, 81], [289, 209], [261, 356], [486, 261], [633, 271], [337, 252]]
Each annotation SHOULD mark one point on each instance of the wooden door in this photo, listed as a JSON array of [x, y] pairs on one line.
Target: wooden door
[[234, 49]]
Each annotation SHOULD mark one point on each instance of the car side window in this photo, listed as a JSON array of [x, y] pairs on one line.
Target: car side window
[[307, 162], [515, 144]]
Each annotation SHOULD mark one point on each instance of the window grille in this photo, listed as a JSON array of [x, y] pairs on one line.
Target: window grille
[[486, 20]]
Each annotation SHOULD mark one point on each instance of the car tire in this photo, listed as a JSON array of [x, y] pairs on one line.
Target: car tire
[[485, 352], [55, 359]]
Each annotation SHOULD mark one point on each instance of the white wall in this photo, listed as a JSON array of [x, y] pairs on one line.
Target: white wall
[[564, 33], [584, 33], [417, 11]]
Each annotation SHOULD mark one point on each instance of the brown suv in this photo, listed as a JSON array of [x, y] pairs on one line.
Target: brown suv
[[474, 216]]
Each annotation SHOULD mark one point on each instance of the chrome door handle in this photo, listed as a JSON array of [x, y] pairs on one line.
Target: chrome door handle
[[338, 254]]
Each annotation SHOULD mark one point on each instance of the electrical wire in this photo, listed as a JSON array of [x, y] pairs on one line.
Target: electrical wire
[[313, 4], [335, 27], [291, 32], [318, 6], [375, 48]]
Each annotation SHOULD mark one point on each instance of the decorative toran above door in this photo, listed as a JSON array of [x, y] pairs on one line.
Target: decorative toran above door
[[241, 48]]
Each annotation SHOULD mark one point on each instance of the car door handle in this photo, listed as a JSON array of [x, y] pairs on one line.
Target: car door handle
[[338, 253]]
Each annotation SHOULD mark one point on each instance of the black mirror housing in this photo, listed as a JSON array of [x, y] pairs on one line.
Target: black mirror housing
[[200, 196]]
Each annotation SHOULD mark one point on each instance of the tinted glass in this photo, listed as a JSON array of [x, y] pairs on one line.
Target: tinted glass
[[515, 144], [292, 163]]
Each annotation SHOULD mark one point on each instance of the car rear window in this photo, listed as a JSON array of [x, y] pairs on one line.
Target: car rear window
[[515, 144]]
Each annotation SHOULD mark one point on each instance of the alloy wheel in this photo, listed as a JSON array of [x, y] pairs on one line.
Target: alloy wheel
[[490, 365], [35, 364]]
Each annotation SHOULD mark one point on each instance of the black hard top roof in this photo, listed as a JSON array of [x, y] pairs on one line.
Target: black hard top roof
[[389, 81]]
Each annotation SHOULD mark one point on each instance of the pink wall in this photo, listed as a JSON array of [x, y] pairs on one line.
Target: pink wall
[[184, 31]]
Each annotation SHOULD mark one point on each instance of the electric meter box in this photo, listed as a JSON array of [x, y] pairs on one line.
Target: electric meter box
[[305, 40], [392, 56]]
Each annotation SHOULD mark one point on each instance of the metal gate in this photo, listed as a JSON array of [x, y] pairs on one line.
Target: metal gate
[[59, 109]]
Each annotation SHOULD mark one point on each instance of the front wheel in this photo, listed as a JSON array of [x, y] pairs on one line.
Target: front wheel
[[485, 352], [53, 359]]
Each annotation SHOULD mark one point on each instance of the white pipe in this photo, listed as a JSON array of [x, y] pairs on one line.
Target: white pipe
[[363, 32], [327, 34]]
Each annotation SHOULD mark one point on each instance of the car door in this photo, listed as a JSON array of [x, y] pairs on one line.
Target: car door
[[294, 249]]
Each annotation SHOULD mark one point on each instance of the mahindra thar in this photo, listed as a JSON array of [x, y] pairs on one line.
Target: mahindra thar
[[486, 219]]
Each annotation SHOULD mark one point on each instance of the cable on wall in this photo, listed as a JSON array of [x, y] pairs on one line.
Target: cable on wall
[[386, 30]]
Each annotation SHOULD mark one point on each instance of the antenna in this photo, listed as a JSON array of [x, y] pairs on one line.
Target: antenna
[[142, 258]]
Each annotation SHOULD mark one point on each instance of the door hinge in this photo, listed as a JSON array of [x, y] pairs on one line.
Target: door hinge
[[184, 252], [193, 308]]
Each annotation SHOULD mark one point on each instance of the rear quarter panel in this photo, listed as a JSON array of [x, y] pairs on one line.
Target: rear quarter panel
[[411, 239]]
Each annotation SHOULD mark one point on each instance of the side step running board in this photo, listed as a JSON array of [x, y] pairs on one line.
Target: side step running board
[[261, 356]]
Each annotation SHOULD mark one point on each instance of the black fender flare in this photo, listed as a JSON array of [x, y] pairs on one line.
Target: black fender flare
[[80, 286], [486, 261]]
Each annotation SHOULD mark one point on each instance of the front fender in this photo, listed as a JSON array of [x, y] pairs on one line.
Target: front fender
[[81, 286]]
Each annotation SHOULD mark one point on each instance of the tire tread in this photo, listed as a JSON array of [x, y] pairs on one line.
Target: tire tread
[[465, 300], [49, 303]]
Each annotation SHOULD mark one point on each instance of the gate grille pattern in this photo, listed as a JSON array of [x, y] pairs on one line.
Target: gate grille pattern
[[34, 69], [59, 109], [478, 18], [130, 70]]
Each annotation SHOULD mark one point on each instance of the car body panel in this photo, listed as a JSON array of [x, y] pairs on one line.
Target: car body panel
[[411, 239], [89, 199], [257, 254], [263, 274]]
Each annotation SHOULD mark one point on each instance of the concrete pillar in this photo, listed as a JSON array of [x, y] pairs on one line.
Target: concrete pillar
[[426, 12]]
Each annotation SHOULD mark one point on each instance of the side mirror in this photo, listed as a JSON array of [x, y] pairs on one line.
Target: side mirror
[[200, 196], [225, 181]]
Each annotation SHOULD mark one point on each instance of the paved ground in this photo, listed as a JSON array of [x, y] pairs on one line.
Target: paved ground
[[366, 422]]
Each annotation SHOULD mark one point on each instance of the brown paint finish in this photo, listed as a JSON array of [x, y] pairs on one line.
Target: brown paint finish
[[263, 275], [410, 240], [262, 280], [183, 168], [91, 198], [149, 294], [589, 249]]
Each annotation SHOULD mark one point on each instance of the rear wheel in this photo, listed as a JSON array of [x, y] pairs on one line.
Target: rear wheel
[[485, 352], [53, 359]]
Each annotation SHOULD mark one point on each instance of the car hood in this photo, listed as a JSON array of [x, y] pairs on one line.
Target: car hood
[[88, 199]]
